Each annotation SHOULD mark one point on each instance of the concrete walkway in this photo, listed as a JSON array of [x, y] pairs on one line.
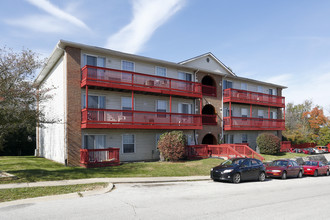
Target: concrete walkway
[[107, 180]]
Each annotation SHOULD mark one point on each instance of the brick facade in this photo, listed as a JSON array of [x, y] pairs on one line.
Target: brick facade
[[216, 102], [73, 111]]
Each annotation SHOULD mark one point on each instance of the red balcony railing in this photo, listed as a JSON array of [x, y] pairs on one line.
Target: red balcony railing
[[120, 79], [239, 123], [108, 118], [248, 97], [209, 90], [209, 120], [99, 157]]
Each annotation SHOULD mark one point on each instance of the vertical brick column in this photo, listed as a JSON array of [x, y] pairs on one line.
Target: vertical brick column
[[73, 111]]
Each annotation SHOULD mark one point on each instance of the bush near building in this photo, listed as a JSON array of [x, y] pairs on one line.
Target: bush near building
[[268, 143], [171, 145]]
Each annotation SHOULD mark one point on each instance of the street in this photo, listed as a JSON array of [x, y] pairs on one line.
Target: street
[[306, 198]]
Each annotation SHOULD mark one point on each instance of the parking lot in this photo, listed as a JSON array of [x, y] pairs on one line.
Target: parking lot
[[303, 198]]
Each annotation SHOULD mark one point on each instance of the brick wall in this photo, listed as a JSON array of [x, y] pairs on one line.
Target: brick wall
[[73, 132], [216, 102]]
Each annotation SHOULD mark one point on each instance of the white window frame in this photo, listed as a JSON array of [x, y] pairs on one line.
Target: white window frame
[[244, 85], [259, 113], [180, 104], [105, 140], [160, 67], [83, 103], [242, 111], [122, 142], [165, 101], [273, 115], [126, 97], [260, 89], [122, 62], [97, 59], [186, 73], [244, 135]]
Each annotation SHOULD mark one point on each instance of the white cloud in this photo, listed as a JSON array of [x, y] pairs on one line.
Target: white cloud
[[148, 15], [57, 12]]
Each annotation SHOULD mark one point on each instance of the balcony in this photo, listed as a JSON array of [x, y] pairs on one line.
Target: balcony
[[255, 98], [108, 118], [209, 90], [120, 79], [209, 120], [239, 123], [99, 157]]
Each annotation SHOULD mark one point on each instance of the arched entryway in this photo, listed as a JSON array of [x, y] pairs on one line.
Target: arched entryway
[[209, 86], [209, 139], [208, 115]]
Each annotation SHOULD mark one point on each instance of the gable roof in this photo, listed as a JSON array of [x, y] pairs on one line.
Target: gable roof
[[211, 55]]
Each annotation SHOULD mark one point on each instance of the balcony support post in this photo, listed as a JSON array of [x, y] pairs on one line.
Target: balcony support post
[[170, 109], [132, 106], [86, 97]]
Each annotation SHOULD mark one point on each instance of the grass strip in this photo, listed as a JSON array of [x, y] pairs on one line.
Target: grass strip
[[32, 192]]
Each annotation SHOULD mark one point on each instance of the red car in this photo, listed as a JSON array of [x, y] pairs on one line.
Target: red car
[[315, 168], [284, 169]]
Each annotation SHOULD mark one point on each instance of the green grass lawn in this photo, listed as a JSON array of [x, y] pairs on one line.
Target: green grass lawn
[[28, 192], [32, 169], [282, 156]]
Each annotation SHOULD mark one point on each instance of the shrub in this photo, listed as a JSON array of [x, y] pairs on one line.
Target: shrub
[[171, 145], [268, 143]]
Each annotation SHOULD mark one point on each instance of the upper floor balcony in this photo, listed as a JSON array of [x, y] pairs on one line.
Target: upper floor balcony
[[109, 118], [255, 98], [244, 123], [121, 79]]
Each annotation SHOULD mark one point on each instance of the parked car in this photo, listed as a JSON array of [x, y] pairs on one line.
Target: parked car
[[321, 149], [239, 169], [296, 150], [315, 168], [308, 151], [284, 168]]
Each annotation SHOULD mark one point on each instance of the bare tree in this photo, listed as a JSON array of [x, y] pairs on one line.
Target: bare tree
[[18, 94]]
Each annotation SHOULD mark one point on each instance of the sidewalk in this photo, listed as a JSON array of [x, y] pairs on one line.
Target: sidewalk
[[107, 180]]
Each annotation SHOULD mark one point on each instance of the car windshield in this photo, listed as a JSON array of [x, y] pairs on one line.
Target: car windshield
[[311, 163], [232, 162], [281, 163]]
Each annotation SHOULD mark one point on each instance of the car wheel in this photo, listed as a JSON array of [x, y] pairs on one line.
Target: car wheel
[[316, 173], [237, 178], [262, 176], [327, 173], [284, 175], [300, 174]]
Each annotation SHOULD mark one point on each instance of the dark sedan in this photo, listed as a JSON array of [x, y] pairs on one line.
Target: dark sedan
[[284, 169], [239, 169]]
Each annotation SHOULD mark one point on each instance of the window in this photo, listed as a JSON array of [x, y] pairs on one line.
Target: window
[[260, 89], [94, 101], [243, 86], [246, 163], [126, 104], [189, 139], [185, 76], [128, 143], [244, 138], [227, 84], [273, 115], [260, 113], [127, 65], [94, 60], [270, 92], [229, 138], [185, 108], [244, 112], [254, 162], [94, 141], [161, 107], [226, 112], [160, 71]]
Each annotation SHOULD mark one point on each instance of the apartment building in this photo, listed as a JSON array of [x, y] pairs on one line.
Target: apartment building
[[108, 99]]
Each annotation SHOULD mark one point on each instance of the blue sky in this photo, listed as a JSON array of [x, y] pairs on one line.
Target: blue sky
[[283, 42]]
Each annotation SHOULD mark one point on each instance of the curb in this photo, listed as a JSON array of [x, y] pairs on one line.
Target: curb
[[104, 190]]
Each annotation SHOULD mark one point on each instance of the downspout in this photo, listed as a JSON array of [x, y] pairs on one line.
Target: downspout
[[195, 73]]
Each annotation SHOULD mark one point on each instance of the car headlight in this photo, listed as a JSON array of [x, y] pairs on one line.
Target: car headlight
[[276, 171], [211, 169], [227, 171]]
